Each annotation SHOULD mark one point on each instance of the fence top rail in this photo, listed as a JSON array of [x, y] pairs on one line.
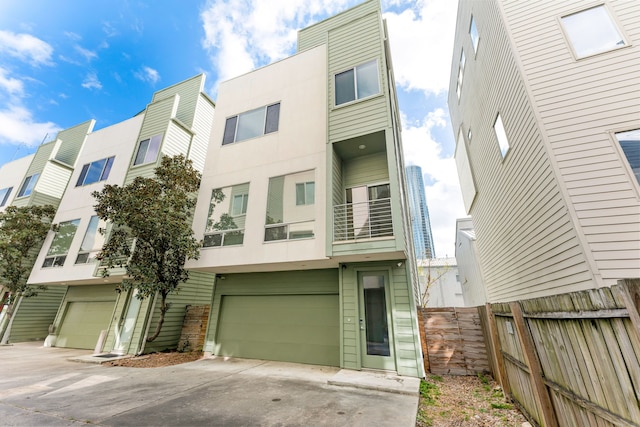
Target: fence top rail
[[595, 314]]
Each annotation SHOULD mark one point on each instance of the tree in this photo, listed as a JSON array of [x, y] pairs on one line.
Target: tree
[[432, 275], [151, 234], [22, 232]]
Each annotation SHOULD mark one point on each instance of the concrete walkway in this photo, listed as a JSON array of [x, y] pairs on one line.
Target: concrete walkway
[[44, 386]]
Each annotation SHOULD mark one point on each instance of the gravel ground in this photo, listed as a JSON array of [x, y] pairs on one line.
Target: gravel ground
[[450, 401]]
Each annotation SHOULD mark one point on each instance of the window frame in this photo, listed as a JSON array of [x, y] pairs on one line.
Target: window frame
[[305, 185], [570, 39], [58, 258], [624, 154], [473, 30], [5, 198], [156, 140], [354, 70], [243, 204], [501, 136], [104, 172], [27, 188], [229, 137], [460, 79]]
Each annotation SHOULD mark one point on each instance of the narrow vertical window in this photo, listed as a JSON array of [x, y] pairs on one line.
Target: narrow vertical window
[[28, 185], [4, 195], [630, 143], [460, 74], [92, 241], [305, 193], [473, 32], [503, 142], [148, 150], [273, 117]]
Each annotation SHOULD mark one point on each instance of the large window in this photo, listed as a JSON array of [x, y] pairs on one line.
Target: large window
[[592, 31], [251, 124], [503, 142], [630, 143], [28, 184], [290, 209], [95, 171], [473, 32], [357, 83], [460, 74], [4, 195], [148, 150], [61, 242], [92, 242], [227, 216]]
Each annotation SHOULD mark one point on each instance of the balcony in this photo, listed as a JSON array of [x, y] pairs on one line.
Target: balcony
[[363, 220]]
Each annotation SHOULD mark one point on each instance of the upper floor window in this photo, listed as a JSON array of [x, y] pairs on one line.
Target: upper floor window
[[28, 184], [592, 31], [251, 124], [473, 32], [4, 195], [503, 142], [630, 143], [61, 242], [460, 74], [287, 218], [92, 242], [357, 83], [148, 150], [227, 216], [95, 171]]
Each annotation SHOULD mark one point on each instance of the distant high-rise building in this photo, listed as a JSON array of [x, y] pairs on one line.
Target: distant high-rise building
[[422, 237]]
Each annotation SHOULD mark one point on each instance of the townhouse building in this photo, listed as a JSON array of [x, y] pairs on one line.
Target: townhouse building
[[545, 105], [302, 208]]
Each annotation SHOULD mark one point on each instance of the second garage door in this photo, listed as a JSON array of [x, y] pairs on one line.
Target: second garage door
[[290, 328], [83, 322]]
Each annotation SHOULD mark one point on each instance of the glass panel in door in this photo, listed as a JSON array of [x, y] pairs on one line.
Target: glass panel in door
[[375, 320], [127, 324]]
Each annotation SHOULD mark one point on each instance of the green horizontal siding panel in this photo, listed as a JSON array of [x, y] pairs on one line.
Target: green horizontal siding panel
[[176, 140], [40, 159], [35, 314], [72, 142], [189, 92], [54, 179], [196, 291], [365, 170]]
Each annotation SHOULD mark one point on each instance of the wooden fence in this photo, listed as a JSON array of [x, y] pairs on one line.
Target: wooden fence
[[571, 359], [453, 341]]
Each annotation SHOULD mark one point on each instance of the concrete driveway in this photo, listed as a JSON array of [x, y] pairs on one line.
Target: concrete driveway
[[42, 387]]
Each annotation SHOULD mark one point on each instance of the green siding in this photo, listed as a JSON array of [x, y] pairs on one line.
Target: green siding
[[176, 140], [39, 199], [54, 179], [72, 141], [196, 291], [34, 315], [189, 92], [372, 169], [274, 283], [404, 318]]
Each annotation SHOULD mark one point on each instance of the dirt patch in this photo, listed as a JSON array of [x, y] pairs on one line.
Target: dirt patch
[[157, 360], [451, 401]]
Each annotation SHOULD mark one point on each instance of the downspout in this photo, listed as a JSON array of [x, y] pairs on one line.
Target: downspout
[[148, 325], [7, 331]]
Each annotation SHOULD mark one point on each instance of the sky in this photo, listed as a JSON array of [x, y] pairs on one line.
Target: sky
[[65, 62]]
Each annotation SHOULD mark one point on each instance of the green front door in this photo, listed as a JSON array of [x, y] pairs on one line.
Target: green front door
[[83, 322], [290, 328], [376, 335]]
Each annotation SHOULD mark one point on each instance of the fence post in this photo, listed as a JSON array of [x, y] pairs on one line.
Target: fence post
[[497, 351], [422, 326], [631, 296], [540, 390]]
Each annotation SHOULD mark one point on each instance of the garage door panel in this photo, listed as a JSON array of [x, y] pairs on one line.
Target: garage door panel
[[293, 328], [83, 322]]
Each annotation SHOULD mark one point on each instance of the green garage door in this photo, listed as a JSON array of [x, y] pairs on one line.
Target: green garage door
[[83, 322], [289, 328]]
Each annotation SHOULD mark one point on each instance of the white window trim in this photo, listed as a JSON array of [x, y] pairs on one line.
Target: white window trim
[[159, 155]]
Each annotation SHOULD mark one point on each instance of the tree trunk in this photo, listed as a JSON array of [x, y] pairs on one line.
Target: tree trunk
[[8, 321], [163, 309]]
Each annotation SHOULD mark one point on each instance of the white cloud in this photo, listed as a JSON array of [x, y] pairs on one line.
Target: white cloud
[[26, 48], [147, 74], [13, 87], [86, 53], [91, 81], [421, 41], [442, 188], [17, 126]]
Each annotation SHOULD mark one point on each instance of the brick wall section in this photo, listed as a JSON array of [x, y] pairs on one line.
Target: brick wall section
[[194, 328]]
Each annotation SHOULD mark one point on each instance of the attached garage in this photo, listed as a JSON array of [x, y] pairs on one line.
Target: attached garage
[[87, 310], [284, 316]]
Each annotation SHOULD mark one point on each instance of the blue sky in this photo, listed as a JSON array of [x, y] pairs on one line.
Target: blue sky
[[74, 60]]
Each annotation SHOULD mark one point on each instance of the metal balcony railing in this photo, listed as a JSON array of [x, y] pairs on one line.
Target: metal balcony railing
[[364, 220]]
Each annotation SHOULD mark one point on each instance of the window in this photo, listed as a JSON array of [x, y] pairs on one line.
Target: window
[[305, 193], [630, 144], [592, 31], [460, 74], [465, 175], [227, 216], [473, 32], [95, 171], [4, 195], [28, 184], [287, 218], [148, 150], [357, 83], [503, 142], [92, 242], [61, 242], [251, 124]]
